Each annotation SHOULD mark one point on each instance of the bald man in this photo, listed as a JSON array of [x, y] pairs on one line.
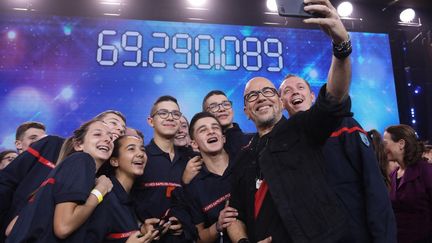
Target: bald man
[[280, 190]]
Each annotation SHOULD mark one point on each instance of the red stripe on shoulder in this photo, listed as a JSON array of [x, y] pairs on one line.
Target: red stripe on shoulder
[[347, 130], [40, 158]]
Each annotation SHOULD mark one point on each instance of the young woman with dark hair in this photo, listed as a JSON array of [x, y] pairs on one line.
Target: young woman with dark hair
[[114, 220]]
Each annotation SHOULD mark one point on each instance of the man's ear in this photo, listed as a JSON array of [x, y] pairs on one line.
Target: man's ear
[[18, 145], [150, 121], [246, 112], [313, 97], [194, 144]]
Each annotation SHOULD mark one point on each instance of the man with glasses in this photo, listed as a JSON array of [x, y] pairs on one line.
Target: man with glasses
[[216, 102], [280, 189], [157, 190]]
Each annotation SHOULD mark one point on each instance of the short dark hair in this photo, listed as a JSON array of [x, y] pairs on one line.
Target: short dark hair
[[21, 129], [162, 99], [290, 75], [413, 147], [197, 117], [209, 94], [101, 115]]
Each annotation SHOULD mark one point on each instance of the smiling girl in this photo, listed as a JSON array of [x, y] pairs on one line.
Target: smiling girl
[[65, 200], [114, 220]]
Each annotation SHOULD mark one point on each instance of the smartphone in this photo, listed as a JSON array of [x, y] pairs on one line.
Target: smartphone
[[292, 8]]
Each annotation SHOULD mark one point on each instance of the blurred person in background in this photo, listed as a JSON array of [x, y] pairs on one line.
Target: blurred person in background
[[6, 157], [428, 153], [411, 184], [381, 156]]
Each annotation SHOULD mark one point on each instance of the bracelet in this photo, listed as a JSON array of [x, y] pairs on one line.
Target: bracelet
[[342, 50], [98, 195], [243, 240]]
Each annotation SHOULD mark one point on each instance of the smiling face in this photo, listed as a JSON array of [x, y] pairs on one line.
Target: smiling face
[[265, 112], [207, 136], [116, 124], [98, 142], [296, 95], [165, 127], [182, 136], [131, 159], [224, 116]]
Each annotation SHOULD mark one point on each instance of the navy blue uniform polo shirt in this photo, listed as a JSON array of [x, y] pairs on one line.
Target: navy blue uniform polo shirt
[[114, 219], [25, 173], [159, 189], [235, 140], [208, 193], [71, 181]]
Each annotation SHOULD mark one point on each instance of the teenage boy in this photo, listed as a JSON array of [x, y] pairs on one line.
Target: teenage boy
[[158, 192]]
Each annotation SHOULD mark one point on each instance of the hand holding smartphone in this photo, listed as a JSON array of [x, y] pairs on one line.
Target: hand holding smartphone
[[294, 8]]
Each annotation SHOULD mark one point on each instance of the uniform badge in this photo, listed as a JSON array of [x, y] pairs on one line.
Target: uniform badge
[[364, 139]]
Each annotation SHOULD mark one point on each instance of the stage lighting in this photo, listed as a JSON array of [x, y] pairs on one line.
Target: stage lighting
[[197, 3], [271, 5], [345, 9], [111, 2], [407, 15]]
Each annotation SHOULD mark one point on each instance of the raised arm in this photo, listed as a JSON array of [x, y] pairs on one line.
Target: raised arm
[[339, 76]]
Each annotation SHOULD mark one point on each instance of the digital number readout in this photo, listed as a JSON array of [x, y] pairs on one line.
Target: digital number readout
[[202, 51]]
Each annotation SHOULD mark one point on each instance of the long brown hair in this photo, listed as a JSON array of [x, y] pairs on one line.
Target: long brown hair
[[413, 147], [378, 147], [77, 138]]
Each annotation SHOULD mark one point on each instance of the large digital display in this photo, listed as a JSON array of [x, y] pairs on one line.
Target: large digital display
[[64, 70]]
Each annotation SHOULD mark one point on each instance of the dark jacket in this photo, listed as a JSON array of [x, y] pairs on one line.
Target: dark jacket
[[353, 173], [293, 166], [235, 140], [24, 175]]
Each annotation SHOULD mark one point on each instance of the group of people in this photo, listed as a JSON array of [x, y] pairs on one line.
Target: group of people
[[312, 177]]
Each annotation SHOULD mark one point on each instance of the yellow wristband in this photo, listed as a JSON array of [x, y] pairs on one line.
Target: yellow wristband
[[98, 195]]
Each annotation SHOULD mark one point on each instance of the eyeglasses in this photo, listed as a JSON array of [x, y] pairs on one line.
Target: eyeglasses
[[266, 92], [162, 113], [215, 107]]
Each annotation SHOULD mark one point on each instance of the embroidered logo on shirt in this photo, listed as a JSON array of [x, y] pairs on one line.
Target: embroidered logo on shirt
[[364, 139], [217, 202]]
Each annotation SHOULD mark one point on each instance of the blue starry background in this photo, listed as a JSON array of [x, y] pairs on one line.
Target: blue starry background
[[50, 72]]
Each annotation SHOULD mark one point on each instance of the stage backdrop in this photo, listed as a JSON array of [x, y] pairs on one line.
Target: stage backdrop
[[64, 70]]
